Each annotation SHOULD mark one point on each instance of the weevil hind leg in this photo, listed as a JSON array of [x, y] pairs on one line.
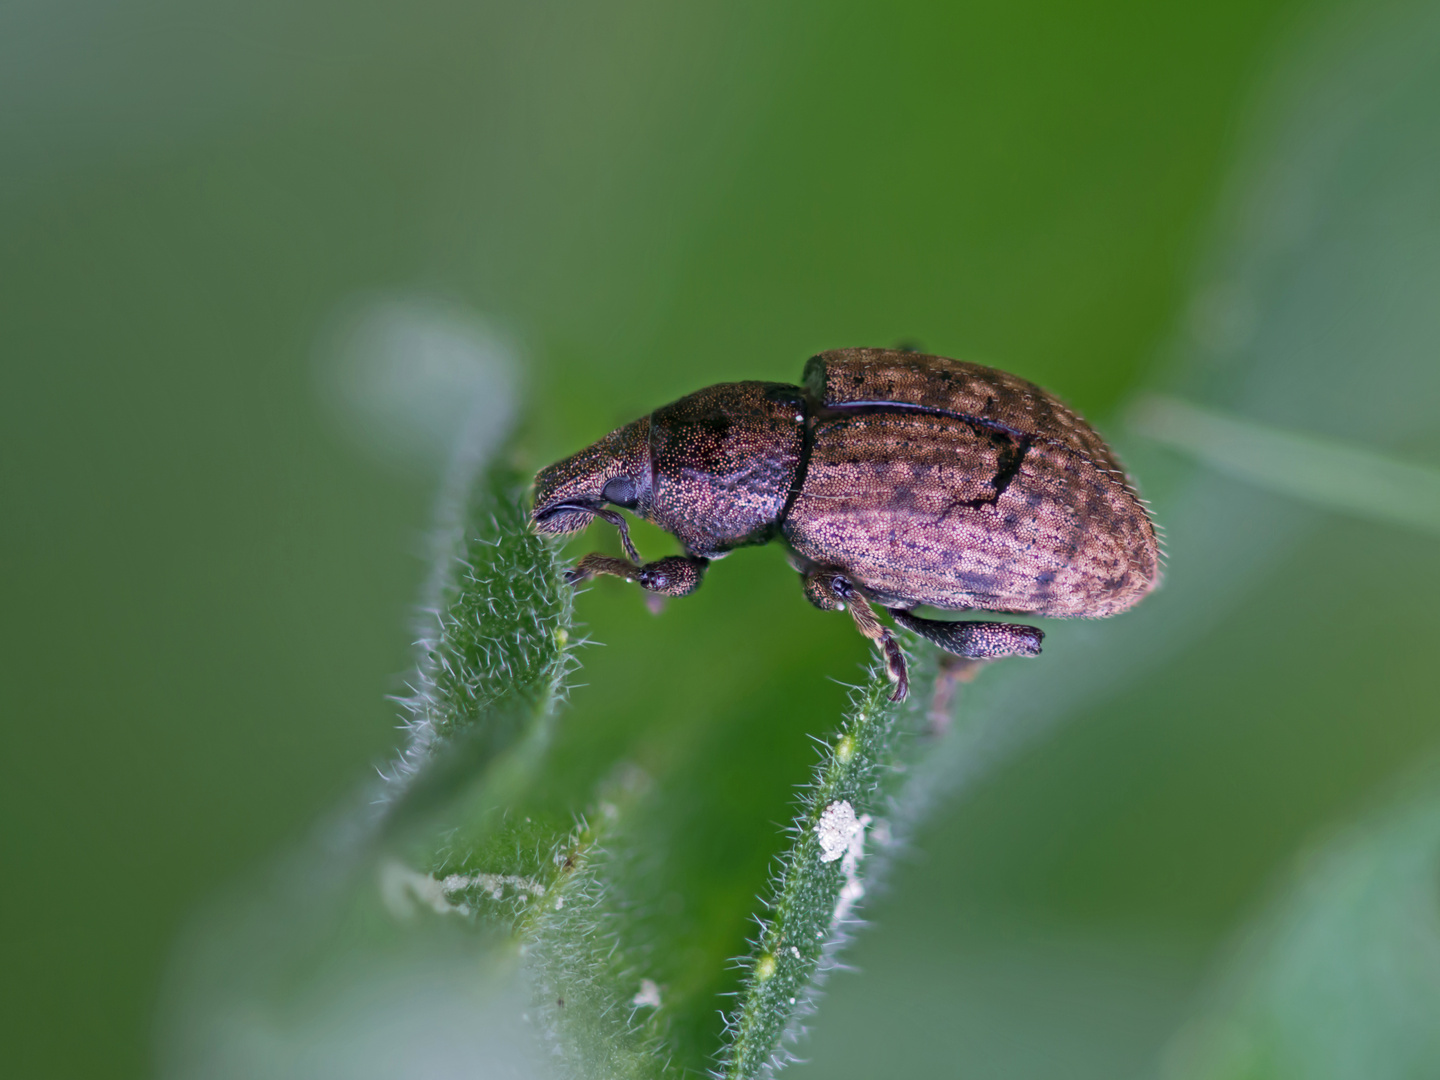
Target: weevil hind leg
[[952, 673], [677, 575], [974, 640], [831, 591]]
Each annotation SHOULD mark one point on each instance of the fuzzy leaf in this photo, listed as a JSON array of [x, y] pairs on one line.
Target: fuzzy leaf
[[819, 882]]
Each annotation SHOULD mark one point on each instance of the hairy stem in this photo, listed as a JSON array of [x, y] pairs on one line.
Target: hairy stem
[[820, 879], [495, 644]]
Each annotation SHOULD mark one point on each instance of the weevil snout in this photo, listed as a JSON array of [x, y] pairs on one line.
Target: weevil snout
[[561, 519], [614, 471]]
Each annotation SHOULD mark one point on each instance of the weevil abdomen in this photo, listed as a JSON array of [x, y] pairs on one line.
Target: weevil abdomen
[[931, 481]]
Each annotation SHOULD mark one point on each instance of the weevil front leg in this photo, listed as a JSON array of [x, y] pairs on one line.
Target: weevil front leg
[[677, 575], [831, 591]]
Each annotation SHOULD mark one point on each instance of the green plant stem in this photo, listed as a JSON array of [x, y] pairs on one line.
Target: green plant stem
[[820, 880]]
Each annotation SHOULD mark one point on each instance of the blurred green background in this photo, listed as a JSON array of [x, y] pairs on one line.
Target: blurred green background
[[208, 571]]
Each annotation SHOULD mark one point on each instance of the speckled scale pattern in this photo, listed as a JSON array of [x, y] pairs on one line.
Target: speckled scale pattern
[[847, 378], [933, 481], [724, 461]]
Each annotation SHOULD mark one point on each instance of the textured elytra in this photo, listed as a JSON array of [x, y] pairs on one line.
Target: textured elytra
[[932, 481]]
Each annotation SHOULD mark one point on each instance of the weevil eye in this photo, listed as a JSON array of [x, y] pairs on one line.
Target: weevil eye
[[622, 492]]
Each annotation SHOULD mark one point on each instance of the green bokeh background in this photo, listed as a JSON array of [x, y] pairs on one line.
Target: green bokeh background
[[207, 588]]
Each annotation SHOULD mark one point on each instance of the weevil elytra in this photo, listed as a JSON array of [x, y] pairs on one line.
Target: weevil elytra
[[896, 479]]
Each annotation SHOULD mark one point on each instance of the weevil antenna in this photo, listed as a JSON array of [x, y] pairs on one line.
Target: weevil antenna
[[620, 523]]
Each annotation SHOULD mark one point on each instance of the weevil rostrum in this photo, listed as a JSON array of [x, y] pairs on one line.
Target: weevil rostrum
[[896, 480]]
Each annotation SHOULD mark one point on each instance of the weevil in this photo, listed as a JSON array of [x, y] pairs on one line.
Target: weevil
[[896, 479]]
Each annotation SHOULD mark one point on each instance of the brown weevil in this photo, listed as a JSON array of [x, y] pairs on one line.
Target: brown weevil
[[896, 479]]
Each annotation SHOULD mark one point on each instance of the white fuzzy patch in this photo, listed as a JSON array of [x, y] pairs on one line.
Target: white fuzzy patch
[[842, 836], [838, 828], [402, 888], [649, 994], [494, 884]]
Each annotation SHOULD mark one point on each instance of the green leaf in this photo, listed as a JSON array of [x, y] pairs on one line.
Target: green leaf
[[494, 651], [1350, 478], [1340, 977]]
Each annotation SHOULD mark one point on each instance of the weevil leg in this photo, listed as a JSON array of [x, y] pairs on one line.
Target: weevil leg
[[678, 575], [974, 640], [871, 627], [831, 591], [954, 670], [619, 522], [596, 564]]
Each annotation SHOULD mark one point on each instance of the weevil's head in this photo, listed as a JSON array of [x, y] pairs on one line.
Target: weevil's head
[[612, 472], [714, 469]]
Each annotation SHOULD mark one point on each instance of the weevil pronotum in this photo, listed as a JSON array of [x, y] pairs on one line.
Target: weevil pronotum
[[896, 479]]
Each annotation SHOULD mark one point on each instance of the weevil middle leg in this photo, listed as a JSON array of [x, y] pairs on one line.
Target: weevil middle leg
[[832, 591]]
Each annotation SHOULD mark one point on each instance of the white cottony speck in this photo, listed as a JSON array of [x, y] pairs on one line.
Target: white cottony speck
[[837, 827], [401, 888], [841, 833], [649, 994], [492, 884], [854, 889]]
